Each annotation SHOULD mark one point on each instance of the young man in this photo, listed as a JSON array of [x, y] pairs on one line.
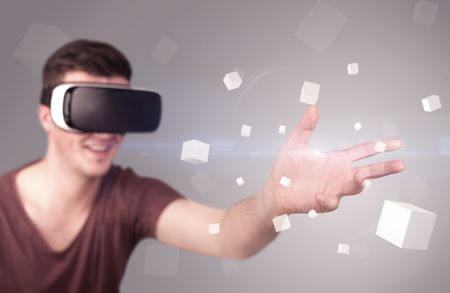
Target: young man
[[70, 220]]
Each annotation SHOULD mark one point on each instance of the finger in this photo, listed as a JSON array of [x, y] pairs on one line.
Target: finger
[[367, 149], [326, 203], [304, 128], [381, 169], [355, 185]]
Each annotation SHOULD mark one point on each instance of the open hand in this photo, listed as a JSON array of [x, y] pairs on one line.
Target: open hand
[[319, 180]]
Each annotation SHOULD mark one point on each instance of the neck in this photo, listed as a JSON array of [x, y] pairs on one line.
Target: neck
[[65, 188]]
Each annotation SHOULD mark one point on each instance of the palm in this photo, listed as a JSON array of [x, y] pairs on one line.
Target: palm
[[318, 181]]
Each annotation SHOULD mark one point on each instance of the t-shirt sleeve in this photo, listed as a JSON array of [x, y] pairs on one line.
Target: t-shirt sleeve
[[147, 198]]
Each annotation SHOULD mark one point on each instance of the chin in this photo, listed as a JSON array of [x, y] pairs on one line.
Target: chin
[[98, 170]]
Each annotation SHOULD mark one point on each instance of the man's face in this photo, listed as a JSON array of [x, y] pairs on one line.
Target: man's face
[[90, 154]]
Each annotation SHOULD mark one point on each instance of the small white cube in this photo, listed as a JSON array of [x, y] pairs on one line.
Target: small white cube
[[310, 93], [281, 223], [343, 248], [282, 129], [380, 147], [357, 126], [405, 225], [312, 214], [431, 103], [214, 229], [195, 151], [240, 181], [232, 80], [246, 130], [285, 181], [366, 183], [353, 69]]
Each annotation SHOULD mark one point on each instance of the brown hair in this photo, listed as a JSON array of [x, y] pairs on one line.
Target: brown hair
[[94, 57]]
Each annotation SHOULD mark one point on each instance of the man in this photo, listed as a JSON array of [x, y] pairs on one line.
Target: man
[[70, 220]]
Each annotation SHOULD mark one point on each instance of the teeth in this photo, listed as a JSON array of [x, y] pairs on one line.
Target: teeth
[[99, 148]]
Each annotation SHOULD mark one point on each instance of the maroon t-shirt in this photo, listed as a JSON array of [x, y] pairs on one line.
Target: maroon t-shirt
[[125, 211]]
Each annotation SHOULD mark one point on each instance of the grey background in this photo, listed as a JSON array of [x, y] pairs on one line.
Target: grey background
[[401, 61]]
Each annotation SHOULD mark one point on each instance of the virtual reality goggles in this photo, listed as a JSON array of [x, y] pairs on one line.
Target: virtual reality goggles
[[103, 108]]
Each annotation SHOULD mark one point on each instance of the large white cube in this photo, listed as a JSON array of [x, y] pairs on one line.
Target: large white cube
[[246, 130], [405, 225], [353, 69], [281, 223], [431, 103], [232, 80], [310, 93], [380, 147], [343, 248], [195, 151]]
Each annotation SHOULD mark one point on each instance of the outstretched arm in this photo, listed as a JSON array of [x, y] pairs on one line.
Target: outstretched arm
[[317, 181]]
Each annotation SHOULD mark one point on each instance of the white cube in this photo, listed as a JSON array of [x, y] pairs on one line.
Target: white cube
[[281, 223], [431, 103], [285, 181], [282, 129], [240, 181], [164, 50], [353, 69], [380, 147], [246, 130], [405, 225], [310, 93], [357, 126], [312, 214], [195, 152], [343, 248], [232, 80], [214, 229]]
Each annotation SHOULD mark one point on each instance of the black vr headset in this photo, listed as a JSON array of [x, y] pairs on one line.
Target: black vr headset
[[105, 108]]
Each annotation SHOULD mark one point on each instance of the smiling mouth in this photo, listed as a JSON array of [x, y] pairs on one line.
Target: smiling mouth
[[100, 149]]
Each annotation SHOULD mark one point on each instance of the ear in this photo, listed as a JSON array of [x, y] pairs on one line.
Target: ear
[[45, 118]]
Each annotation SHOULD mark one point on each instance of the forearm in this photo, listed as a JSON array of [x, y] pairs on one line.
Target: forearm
[[247, 227]]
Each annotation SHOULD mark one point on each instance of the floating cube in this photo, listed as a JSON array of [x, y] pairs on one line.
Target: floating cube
[[380, 147], [164, 50], [246, 130], [282, 129], [405, 225], [425, 12], [38, 43], [240, 181], [357, 126], [321, 26], [312, 214], [281, 223], [232, 80], [202, 182], [343, 248], [195, 152], [366, 183], [285, 181], [310, 93], [161, 260], [353, 69], [431, 103], [230, 267], [214, 229]]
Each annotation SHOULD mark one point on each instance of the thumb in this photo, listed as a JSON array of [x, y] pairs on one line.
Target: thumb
[[305, 127]]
